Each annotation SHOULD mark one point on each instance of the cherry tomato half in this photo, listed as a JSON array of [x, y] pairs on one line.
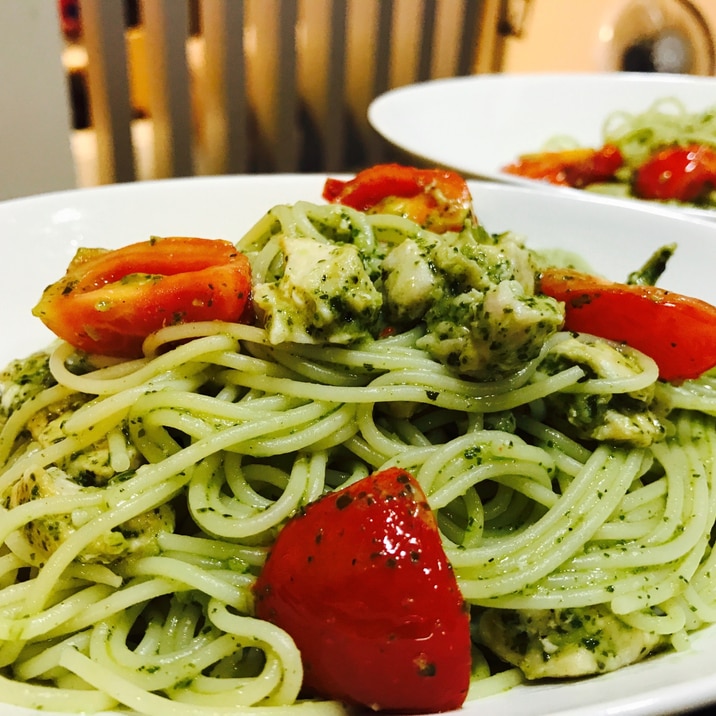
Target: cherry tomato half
[[680, 173], [109, 301], [677, 331], [436, 199], [361, 582], [572, 167]]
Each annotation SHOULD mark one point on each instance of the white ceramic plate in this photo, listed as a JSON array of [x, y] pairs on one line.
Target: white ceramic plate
[[478, 124], [40, 235]]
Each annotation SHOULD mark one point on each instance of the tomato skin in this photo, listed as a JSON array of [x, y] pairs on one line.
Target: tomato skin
[[437, 199], [361, 582], [572, 167], [109, 301], [677, 331], [681, 173]]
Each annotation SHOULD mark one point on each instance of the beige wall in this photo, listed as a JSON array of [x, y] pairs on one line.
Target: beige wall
[[585, 35]]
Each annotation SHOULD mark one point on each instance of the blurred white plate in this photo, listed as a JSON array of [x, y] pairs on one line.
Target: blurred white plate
[[478, 124], [41, 234]]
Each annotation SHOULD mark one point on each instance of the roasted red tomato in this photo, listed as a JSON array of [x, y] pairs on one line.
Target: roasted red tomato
[[361, 582], [437, 199], [678, 332], [573, 167], [109, 301], [681, 173]]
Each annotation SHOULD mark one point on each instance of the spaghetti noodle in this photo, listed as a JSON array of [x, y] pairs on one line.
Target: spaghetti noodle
[[665, 123]]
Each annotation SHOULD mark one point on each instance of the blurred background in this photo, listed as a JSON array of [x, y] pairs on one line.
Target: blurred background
[[104, 91]]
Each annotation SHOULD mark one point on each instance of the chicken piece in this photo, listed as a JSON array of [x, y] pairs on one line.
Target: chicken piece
[[476, 294], [88, 469], [633, 418], [21, 380], [490, 335], [325, 295], [410, 281], [135, 536], [563, 643]]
